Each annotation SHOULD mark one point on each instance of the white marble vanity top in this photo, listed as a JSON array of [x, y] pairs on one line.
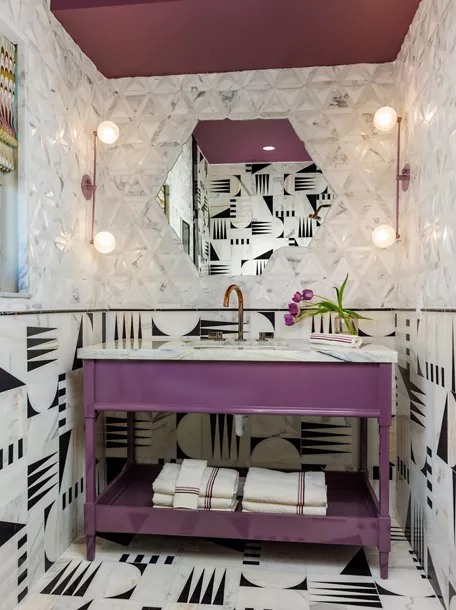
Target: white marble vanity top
[[274, 350]]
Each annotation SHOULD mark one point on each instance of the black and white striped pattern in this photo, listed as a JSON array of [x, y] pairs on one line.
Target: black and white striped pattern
[[42, 476], [219, 228], [262, 184], [10, 454], [62, 403], [435, 374], [240, 242], [69, 496], [252, 553], [147, 559], [22, 572]]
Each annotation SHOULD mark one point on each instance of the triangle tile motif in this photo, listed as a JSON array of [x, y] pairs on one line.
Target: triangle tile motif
[[331, 111]]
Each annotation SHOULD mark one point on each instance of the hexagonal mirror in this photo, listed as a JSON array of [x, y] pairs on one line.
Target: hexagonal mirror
[[241, 190]]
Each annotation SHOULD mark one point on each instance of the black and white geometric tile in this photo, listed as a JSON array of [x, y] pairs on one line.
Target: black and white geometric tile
[[42, 439], [426, 407], [258, 208], [153, 572]]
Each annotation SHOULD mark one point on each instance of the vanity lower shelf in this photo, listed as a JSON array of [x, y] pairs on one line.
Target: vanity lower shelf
[[125, 506]]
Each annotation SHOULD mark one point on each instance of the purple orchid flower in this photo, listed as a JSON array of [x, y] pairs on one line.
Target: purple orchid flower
[[289, 319], [307, 295], [294, 309], [297, 298]]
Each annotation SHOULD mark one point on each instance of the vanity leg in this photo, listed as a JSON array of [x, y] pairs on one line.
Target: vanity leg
[[363, 423], [131, 458], [89, 506], [384, 565], [384, 546]]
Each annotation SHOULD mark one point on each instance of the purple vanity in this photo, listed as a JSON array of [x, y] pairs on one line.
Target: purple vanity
[[288, 379]]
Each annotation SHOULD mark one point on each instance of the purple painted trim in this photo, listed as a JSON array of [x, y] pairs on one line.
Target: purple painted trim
[[363, 444], [247, 410], [354, 514], [371, 491], [126, 506], [131, 458], [385, 396], [241, 387], [90, 439]]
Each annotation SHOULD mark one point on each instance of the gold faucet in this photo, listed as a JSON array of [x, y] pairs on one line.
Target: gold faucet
[[226, 303], [315, 215]]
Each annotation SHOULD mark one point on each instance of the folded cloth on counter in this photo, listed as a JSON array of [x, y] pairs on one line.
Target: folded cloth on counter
[[334, 340], [188, 484], [216, 482], [292, 488], [283, 509]]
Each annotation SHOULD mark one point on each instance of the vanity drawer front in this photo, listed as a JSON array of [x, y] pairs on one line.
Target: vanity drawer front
[[345, 389]]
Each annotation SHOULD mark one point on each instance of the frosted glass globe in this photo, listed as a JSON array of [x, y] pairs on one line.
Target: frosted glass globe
[[384, 236], [104, 242], [385, 119], [108, 132]]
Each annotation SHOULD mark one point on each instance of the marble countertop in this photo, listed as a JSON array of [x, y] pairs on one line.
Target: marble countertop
[[271, 351]]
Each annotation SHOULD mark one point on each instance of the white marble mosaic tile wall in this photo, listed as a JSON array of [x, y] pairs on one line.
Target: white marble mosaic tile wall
[[180, 183], [331, 109], [62, 95], [426, 428]]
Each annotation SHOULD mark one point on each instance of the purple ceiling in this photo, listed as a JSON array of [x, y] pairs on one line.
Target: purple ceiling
[[242, 141], [158, 37]]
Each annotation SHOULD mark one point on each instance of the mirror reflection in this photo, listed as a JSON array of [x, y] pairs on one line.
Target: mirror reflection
[[241, 190]]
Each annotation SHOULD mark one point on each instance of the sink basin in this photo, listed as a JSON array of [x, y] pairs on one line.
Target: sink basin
[[249, 344]]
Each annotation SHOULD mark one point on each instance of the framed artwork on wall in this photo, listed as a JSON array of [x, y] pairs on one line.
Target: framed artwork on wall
[[186, 236], [163, 199]]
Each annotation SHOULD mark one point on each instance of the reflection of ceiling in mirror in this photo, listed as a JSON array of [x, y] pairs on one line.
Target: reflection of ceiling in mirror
[[228, 141], [255, 209]]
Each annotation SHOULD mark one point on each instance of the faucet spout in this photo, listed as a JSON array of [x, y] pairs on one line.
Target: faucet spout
[[226, 303]]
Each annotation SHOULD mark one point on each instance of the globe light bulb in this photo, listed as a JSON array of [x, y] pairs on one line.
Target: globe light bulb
[[384, 236], [108, 132], [104, 242], [385, 119]]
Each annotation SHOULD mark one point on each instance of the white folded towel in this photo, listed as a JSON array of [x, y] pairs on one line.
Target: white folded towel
[[232, 507], [188, 484], [216, 482], [204, 503], [282, 509], [334, 340], [292, 488], [165, 483]]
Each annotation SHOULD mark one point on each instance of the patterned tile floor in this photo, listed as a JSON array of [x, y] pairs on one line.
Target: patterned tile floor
[[154, 573]]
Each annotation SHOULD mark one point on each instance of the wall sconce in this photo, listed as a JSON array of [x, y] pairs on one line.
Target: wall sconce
[[108, 133], [385, 119]]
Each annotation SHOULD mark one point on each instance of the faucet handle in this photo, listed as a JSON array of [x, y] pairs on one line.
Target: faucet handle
[[265, 336], [216, 335]]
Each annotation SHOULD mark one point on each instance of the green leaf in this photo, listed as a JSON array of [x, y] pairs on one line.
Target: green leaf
[[355, 315], [340, 293], [325, 300]]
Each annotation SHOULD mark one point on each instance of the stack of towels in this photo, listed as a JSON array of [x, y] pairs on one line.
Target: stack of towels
[[194, 486], [333, 340], [294, 493]]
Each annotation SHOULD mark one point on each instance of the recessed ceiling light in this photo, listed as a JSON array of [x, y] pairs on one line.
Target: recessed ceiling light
[[269, 148]]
